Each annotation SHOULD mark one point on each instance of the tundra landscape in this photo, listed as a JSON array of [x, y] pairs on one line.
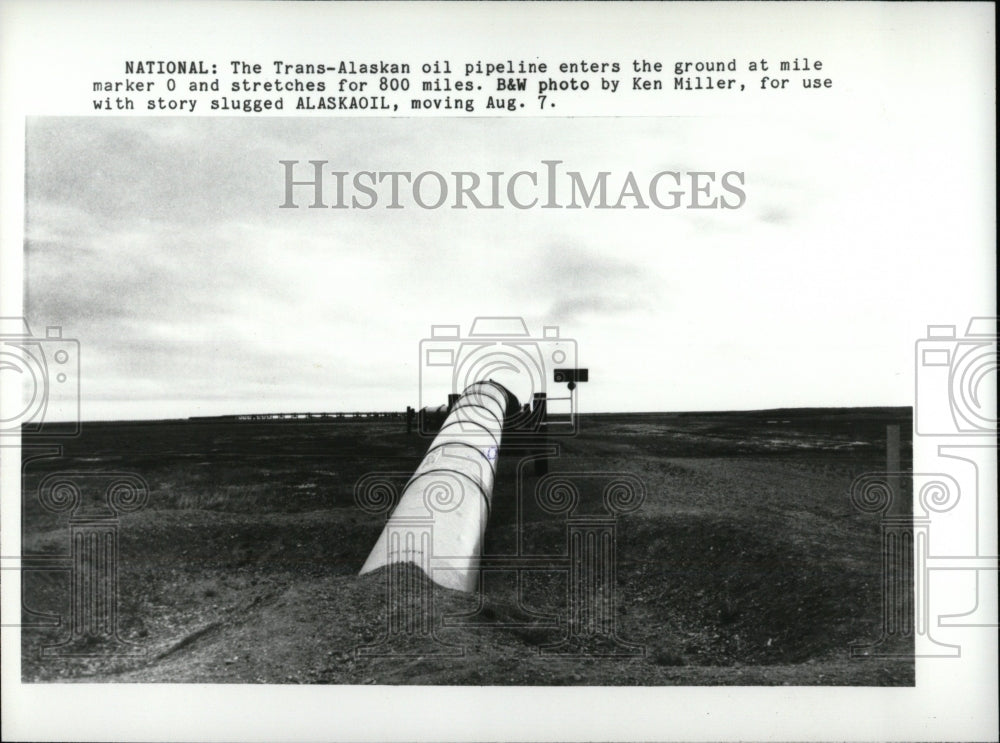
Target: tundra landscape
[[745, 563]]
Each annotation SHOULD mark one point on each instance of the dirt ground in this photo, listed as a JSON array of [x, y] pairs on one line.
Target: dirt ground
[[745, 563]]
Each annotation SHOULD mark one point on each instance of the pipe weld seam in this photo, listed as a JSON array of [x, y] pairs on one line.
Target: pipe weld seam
[[466, 445], [474, 423]]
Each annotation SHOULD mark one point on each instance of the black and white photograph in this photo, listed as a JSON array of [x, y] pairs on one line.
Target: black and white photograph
[[587, 376], [256, 357]]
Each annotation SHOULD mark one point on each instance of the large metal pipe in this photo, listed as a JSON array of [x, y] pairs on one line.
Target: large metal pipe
[[441, 517]]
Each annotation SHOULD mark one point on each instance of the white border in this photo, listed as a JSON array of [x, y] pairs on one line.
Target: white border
[[49, 50]]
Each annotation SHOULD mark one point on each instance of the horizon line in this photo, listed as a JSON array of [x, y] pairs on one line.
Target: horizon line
[[365, 414]]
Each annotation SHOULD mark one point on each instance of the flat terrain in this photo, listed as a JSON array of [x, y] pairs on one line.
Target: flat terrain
[[746, 562]]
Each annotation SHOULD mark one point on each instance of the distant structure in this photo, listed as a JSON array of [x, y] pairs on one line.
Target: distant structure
[[356, 415]]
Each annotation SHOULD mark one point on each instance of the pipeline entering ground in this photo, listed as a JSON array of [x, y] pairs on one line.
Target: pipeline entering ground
[[746, 564]]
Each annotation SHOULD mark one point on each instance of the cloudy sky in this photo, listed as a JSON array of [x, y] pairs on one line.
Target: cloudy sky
[[159, 244]]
